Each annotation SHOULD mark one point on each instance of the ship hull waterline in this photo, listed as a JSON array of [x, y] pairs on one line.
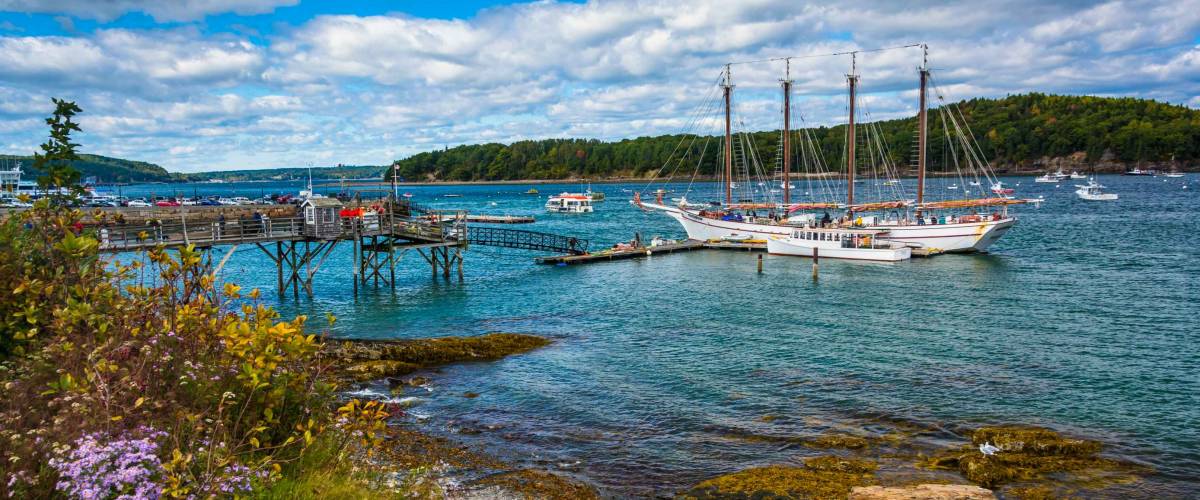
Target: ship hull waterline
[[964, 237]]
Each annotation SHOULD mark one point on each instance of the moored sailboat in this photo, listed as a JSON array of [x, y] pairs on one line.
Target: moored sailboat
[[902, 220]]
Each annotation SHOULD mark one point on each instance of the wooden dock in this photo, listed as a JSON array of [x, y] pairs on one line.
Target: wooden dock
[[494, 219], [631, 253]]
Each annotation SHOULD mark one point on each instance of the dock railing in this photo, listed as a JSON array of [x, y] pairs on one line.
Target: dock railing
[[128, 237]]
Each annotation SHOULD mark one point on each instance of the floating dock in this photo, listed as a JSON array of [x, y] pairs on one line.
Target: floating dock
[[630, 253], [493, 219], [683, 246]]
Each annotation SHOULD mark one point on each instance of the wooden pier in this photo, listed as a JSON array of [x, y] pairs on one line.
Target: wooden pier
[[302, 242]]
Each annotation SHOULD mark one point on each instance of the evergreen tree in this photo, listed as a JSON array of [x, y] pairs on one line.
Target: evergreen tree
[[58, 151]]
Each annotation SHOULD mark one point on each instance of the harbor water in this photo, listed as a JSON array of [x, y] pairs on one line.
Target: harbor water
[[1082, 318]]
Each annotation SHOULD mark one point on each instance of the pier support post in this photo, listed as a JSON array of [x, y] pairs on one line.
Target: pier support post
[[816, 259], [760, 263], [458, 253]]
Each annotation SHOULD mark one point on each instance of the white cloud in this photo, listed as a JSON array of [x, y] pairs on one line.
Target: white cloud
[[361, 89], [160, 10]]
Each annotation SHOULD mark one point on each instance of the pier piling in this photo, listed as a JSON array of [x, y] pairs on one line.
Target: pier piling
[[760, 263], [816, 259]]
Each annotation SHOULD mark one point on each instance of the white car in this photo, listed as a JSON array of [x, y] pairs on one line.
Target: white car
[[226, 201], [138, 203], [242, 200]]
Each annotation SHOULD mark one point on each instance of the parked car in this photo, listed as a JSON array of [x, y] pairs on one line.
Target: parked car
[[138, 203], [166, 203], [209, 202]]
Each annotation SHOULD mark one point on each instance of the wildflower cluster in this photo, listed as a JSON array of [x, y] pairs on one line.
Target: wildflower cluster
[[125, 468]]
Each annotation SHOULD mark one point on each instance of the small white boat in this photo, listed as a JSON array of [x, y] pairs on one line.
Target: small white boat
[[1076, 175], [891, 182], [952, 187], [1174, 173], [1093, 191], [998, 188], [973, 183], [570, 203], [852, 244], [1048, 178]]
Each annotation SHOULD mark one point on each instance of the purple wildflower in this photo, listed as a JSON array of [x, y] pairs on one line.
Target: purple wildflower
[[123, 468]]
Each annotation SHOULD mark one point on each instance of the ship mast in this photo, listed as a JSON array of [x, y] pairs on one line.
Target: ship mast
[[728, 90], [852, 78], [787, 134], [922, 121]]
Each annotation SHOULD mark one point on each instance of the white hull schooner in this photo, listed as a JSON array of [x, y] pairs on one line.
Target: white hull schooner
[[941, 226]]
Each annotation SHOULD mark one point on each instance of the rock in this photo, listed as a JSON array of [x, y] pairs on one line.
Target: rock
[[373, 360], [922, 492], [417, 381], [821, 477], [1028, 454], [845, 441], [470, 395], [1034, 441], [529, 483], [768, 418], [377, 369]]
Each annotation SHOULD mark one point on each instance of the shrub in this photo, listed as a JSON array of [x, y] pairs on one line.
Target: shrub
[[149, 371]]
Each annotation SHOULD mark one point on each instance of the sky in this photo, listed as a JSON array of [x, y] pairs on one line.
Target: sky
[[197, 85]]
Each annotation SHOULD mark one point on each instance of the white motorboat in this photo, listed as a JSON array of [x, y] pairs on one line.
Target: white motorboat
[[1093, 191], [570, 203], [838, 243], [1048, 178], [1076, 175], [998, 188]]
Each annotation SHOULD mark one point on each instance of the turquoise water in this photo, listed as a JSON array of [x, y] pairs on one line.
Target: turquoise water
[[1082, 318]]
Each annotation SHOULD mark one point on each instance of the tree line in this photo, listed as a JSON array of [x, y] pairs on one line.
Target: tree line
[[1013, 131]]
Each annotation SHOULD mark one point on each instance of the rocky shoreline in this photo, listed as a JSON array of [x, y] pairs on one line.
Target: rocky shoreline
[[1012, 461]]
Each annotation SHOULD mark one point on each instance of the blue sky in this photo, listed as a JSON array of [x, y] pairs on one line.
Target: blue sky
[[226, 84]]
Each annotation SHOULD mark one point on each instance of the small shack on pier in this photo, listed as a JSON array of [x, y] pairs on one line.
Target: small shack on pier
[[321, 217]]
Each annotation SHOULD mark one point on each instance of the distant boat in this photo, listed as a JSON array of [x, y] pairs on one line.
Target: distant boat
[[1076, 175], [452, 196], [1093, 191], [532, 191], [570, 203], [952, 187], [1048, 178], [1174, 173], [1138, 171], [408, 195], [999, 188]]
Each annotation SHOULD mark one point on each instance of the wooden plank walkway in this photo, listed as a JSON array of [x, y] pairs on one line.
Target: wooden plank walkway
[[632, 253], [494, 219]]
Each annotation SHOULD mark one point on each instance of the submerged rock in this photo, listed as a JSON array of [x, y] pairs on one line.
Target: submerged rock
[[922, 492], [529, 483], [821, 477], [362, 360], [845, 441], [1029, 454]]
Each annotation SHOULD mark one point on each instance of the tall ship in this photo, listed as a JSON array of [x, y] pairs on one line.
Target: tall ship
[[833, 199]]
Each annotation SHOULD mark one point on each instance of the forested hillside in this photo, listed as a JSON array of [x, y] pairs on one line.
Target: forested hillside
[[105, 169], [1014, 132], [338, 172]]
